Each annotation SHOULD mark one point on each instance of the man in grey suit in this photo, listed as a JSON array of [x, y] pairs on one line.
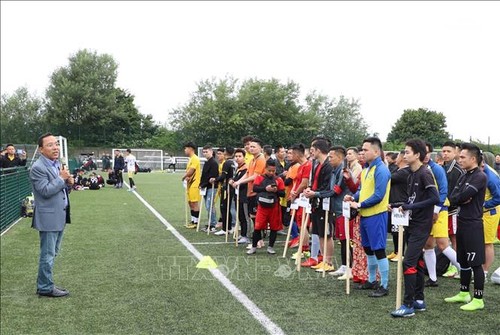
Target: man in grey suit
[[51, 185]]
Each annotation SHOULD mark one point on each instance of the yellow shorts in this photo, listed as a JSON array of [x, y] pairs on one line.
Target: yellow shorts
[[130, 174], [440, 227], [490, 223], [193, 194]]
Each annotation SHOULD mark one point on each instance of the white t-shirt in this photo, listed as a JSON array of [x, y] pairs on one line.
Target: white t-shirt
[[130, 161]]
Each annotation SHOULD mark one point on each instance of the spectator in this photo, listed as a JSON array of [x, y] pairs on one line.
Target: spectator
[[13, 158], [497, 163], [118, 166]]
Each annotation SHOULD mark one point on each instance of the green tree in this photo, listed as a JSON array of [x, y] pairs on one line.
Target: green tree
[[21, 117], [421, 123], [221, 112], [84, 104], [340, 118]]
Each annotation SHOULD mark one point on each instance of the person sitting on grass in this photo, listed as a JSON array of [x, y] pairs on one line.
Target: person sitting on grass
[[269, 188]]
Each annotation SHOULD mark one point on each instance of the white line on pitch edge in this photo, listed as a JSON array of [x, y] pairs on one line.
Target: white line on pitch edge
[[256, 312]]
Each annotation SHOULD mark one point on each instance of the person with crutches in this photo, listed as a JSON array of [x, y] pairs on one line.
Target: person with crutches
[[210, 170], [321, 175]]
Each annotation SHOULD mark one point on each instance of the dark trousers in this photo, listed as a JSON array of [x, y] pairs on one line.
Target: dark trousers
[[243, 217], [119, 176], [226, 222], [413, 266]]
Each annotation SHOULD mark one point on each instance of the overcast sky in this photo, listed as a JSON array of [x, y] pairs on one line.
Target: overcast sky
[[392, 56]]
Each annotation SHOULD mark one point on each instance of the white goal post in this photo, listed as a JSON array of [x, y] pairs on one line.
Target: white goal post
[[146, 158]]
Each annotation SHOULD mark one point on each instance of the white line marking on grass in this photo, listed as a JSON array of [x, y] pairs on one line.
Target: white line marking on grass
[[12, 225], [256, 312]]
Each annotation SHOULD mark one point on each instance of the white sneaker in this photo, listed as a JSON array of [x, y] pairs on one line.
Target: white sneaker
[[344, 276], [252, 251], [339, 272], [220, 233], [243, 240], [271, 251], [249, 246]]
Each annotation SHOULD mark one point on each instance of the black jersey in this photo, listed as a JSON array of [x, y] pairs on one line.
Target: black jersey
[[422, 196], [399, 185], [468, 195], [453, 173]]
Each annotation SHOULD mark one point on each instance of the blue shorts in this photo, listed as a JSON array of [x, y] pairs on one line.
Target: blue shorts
[[374, 231]]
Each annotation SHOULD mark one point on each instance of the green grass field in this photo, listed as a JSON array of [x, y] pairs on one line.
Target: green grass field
[[128, 274]]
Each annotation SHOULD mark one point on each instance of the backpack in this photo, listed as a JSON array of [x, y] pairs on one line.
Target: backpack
[[28, 206]]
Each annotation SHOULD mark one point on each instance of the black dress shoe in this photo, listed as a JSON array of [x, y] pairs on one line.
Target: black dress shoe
[[55, 293]]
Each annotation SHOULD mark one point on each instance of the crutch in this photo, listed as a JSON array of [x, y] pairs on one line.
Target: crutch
[[303, 227], [400, 266], [236, 226], [211, 207], [325, 239], [227, 212], [289, 233], [203, 191]]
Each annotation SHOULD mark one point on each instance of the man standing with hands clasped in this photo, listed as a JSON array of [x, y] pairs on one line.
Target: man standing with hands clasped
[[468, 196], [422, 196], [372, 200], [51, 185]]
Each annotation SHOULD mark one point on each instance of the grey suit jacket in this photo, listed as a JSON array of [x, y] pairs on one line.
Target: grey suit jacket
[[51, 213]]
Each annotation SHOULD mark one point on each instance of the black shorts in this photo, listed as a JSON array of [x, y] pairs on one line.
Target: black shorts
[[318, 224], [252, 206], [470, 244]]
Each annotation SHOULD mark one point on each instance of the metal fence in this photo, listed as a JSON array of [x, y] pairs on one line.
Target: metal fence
[[15, 186]]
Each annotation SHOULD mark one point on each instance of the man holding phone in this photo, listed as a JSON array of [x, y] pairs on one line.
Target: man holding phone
[[13, 158]]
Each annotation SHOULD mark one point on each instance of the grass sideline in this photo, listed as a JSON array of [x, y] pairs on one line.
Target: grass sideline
[[118, 262]]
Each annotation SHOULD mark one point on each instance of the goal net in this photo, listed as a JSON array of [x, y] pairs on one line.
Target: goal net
[[146, 158]]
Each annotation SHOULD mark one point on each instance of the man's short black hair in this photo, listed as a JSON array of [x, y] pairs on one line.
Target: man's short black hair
[[241, 151], [299, 147], [9, 145], [190, 145], [277, 148], [339, 149], [270, 162], [393, 155], [374, 141], [246, 139], [229, 150], [268, 150], [207, 147], [220, 150], [257, 140], [418, 147], [321, 145], [429, 146], [129, 151], [353, 149], [474, 151], [40, 139], [449, 144], [322, 137]]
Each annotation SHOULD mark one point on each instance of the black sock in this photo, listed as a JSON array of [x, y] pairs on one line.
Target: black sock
[[272, 237], [257, 236], [478, 281], [465, 277]]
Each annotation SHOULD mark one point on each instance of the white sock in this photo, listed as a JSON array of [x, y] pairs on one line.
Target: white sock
[[452, 256], [430, 261], [315, 246]]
